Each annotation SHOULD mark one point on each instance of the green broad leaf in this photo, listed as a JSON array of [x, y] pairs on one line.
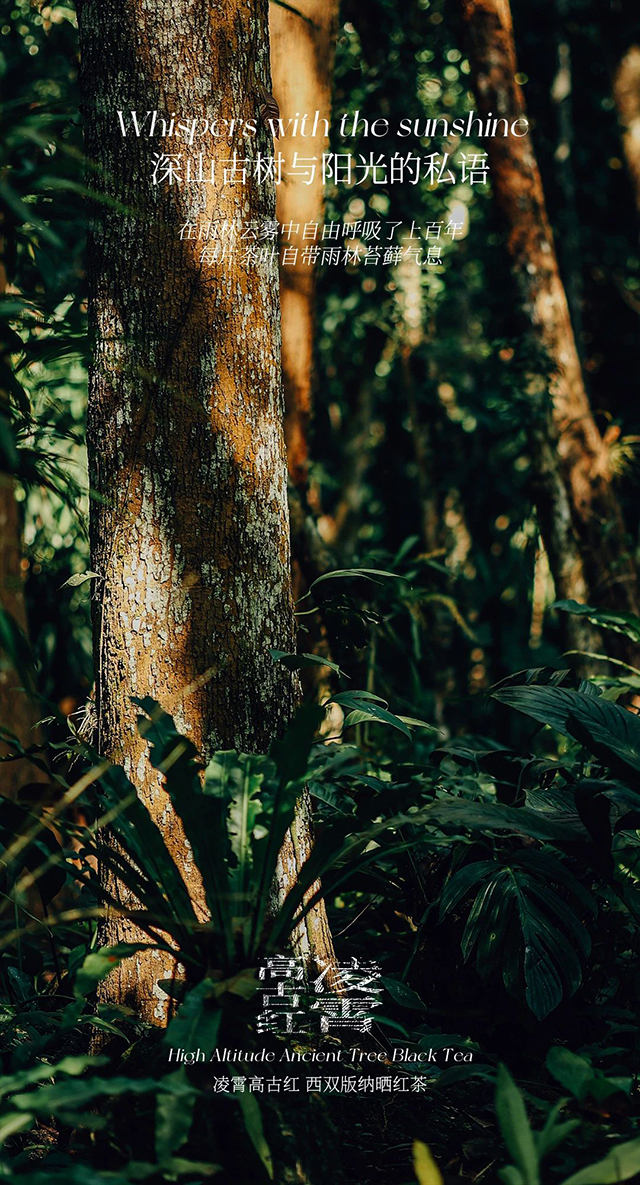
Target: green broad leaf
[[42, 856], [99, 963], [9, 456], [253, 1124], [291, 754], [362, 716], [388, 1023], [173, 1122], [80, 578], [488, 816], [201, 807], [332, 795], [366, 573], [249, 822], [549, 1139], [424, 1166], [462, 881], [462, 1073], [570, 1070], [296, 662], [406, 547], [197, 1023], [582, 1079], [620, 1164], [241, 800], [414, 723], [10, 384], [554, 1132], [107, 1026], [606, 730], [79, 1174], [26, 214], [515, 1128], [366, 710], [162, 889], [72, 1066], [539, 677], [626, 624], [510, 1175], [67, 1096], [12, 1122], [16, 649], [402, 994], [529, 911]]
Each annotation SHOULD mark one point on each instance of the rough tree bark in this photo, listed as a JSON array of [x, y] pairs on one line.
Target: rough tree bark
[[189, 533], [302, 53], [579, 513]]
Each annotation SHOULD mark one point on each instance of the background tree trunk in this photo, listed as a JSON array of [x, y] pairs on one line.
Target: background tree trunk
[[189, 532], [579, 512], [626, 92], [302, 53]]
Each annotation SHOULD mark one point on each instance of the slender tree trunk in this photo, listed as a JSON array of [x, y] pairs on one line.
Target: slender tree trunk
[[189, 530], [626, 92], [562, 98], [302, 52], [579, 512], [302, 55]]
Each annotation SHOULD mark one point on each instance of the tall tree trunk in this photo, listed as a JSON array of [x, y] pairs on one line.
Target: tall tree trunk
[[579, 512], [626, 92], [189, 530], [562, 98], [302, 53]]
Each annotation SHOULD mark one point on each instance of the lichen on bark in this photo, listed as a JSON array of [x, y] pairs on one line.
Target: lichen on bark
[[189, 521]]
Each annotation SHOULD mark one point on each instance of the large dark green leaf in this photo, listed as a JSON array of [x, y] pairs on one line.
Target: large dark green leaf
[[620, 1164], [515, 1127], [528, 913], [16, 649], [144, 845], [42, 856], [490, 816], [402, 994], [173, 1123], [605, 729], [363, 707], [626, 624], [197, 1023], [203, 812], [100, 963]]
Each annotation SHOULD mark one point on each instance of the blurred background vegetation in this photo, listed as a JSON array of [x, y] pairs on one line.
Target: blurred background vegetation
[[420, 464], [460, 423]]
